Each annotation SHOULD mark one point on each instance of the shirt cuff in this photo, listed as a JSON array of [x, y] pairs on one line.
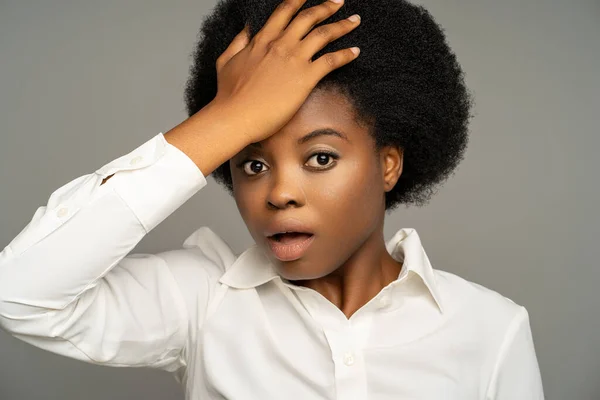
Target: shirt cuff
[[154, 180]]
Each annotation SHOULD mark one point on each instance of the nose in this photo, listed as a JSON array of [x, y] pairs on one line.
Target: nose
[[286, 190]]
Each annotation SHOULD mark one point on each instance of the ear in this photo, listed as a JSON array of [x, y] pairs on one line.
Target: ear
[[392, 159]]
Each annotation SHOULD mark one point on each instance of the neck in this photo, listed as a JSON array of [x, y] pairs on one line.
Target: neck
[[360, 278]]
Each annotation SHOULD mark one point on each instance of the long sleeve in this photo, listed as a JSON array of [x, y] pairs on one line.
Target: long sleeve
[[517, 373], [67, 284]]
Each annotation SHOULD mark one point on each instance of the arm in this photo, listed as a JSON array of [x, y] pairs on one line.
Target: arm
[[66, 282], [516, 375]]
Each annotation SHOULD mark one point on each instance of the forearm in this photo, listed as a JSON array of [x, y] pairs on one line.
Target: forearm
[[85, 228], [211, 136]]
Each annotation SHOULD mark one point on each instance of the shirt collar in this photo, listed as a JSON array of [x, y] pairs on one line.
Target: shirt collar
[[253, 268]]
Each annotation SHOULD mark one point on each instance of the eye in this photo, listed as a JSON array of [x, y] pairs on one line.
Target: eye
[[251, 167], [323, 159]]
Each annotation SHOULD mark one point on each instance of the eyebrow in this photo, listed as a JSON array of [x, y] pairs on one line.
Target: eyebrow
[[313, 135]]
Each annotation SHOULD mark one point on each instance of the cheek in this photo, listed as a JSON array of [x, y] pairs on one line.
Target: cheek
[[246, 200], [352, 196], [355, 185]]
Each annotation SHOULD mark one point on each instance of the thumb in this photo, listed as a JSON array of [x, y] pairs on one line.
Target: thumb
[[239, 42]]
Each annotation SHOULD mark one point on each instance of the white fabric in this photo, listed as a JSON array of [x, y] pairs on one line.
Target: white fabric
[[228, 326]]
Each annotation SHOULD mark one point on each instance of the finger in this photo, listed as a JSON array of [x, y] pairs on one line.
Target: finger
[[306, 19], [330, 61], [279, 19], [239, 42], [325, 34]]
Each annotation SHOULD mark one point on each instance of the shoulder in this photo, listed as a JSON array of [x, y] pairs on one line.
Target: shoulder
[[203, 252], [485, 319], [197, 268], [483, 314], [497, 331], [463, 296]]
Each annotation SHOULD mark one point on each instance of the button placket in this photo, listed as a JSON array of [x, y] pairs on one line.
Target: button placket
[[350, 374], [349, 359]]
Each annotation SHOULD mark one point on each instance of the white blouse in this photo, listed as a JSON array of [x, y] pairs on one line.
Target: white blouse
[[227, 326]]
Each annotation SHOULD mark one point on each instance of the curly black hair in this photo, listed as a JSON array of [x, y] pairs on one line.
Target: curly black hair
[[406, 85]]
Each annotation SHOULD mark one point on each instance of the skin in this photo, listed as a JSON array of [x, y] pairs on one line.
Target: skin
[[342, 200]]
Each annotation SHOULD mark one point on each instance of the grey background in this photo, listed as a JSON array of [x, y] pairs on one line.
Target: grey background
[[83, 82]]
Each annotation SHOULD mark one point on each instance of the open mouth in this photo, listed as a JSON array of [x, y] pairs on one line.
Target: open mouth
[[290, 237], [290, 245]]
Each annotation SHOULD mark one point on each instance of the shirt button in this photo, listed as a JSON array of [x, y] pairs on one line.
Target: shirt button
[[384, 301], [62, 212], [348, 359], [136, 160]]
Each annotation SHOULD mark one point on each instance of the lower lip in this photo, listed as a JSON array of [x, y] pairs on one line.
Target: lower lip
[[292, 251]]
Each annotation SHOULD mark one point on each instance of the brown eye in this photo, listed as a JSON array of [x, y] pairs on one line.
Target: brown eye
[[255, 167], [323, 159]]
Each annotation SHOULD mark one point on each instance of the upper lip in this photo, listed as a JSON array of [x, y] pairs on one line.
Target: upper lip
[[287, 225]]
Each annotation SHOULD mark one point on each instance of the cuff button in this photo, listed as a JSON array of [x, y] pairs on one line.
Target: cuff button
[[136, 160]]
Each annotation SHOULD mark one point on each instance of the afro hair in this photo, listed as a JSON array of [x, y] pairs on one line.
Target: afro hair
[[406, 84]]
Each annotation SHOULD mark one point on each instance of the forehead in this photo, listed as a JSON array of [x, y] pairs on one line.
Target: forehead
[[323, 109], [325, 106]]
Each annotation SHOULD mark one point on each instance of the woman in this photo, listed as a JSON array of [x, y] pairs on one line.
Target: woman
[[315, 144]]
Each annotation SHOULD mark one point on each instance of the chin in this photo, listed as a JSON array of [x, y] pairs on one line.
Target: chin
[[293, 272], [294, 275]]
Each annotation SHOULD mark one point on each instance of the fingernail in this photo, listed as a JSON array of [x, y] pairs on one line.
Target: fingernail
[[337, 1], [354, 18], [355, 50]]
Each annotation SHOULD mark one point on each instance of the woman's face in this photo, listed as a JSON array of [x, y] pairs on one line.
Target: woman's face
[[340, 198]]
